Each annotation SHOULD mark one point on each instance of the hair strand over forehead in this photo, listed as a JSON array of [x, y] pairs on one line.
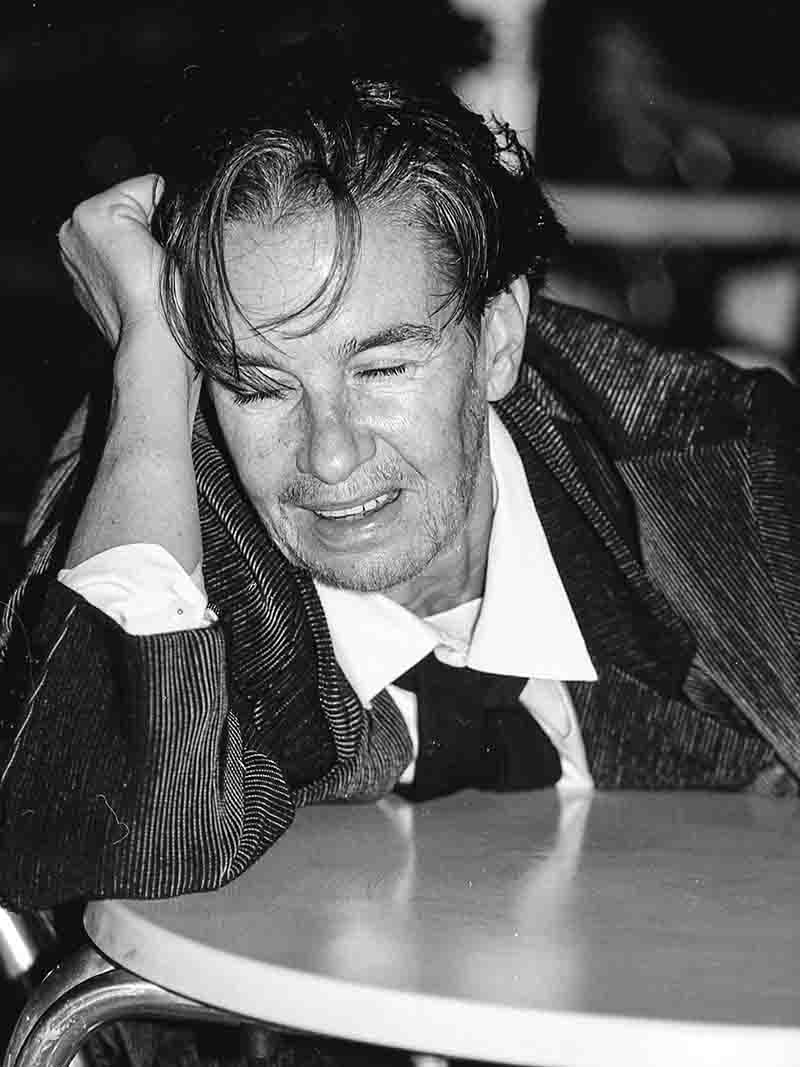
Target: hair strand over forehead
[[312, 139]]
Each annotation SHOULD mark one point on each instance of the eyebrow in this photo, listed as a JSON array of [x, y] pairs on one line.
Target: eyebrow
[[397, 334], [402, 333]]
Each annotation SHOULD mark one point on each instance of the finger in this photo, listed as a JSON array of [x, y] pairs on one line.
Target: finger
[[158, 187], [133, 200], [143, 192]]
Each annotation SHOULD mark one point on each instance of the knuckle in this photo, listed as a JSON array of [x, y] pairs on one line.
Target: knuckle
[[81, 216]]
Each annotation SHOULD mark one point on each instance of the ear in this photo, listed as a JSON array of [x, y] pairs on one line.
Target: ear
[[503, 330]]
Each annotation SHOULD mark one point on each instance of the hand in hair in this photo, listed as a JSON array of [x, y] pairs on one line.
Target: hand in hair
[[144, 490], [114, 262]]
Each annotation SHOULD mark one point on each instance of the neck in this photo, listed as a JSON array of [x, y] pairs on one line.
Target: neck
[[458, 573]]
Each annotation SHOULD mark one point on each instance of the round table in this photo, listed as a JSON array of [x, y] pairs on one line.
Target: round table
[[530, 928]]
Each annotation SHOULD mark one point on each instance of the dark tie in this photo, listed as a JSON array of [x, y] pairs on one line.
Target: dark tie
[[473, 732]]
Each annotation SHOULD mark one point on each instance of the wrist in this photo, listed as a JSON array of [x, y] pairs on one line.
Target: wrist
[[146, 334], [150, 362]]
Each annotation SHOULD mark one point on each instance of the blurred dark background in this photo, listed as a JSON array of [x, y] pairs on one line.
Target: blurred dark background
[[683, 116], [669, 134]]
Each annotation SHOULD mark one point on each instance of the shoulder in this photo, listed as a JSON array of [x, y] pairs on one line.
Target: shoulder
[[630, 390]]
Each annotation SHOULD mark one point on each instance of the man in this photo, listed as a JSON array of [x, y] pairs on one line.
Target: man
[[345, 433]]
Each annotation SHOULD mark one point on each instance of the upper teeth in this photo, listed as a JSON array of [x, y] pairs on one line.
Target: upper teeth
[[358, 509]]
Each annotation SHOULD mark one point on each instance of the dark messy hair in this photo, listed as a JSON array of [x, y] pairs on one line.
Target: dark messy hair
[[304, 136]]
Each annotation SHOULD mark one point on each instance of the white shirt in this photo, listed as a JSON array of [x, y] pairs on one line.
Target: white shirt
[[523, 625]]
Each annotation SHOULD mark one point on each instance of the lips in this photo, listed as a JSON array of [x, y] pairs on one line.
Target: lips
[[357, 511]]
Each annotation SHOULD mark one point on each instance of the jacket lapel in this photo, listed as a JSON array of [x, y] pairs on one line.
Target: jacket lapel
[[585, 513]]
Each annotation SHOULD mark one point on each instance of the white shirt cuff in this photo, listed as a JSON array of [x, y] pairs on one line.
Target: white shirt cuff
[[143, 588]]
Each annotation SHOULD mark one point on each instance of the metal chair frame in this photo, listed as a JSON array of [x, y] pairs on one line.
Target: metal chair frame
[[79, 995], [87, 990]]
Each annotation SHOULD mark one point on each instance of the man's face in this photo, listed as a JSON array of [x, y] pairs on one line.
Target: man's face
[[361, 445]]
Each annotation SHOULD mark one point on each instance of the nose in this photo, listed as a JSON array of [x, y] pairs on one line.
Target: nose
[[333, 443]]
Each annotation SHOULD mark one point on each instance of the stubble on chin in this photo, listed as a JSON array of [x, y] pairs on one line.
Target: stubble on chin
[[363, 572], [436, 529], [443, 517], [370, 572]]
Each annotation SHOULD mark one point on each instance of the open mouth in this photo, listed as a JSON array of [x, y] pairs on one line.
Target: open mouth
[[358, 511]]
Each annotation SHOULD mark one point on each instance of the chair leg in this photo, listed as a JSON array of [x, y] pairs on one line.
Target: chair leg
[[83, 994], [86, 990], [85, 963]]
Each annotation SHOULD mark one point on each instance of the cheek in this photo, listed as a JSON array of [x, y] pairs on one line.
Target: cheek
[[453, 423], [435, 446], [262, 456]]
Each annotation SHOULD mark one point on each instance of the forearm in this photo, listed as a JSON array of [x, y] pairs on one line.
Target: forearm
[[127, 774], [144, 490]]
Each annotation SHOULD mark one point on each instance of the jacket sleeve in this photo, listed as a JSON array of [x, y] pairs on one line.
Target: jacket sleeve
[[720, 529], [773, 487], [751, 556], [124, 771], [774, 475]]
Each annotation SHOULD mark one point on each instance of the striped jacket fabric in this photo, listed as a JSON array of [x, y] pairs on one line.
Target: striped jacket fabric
[[668, 484]]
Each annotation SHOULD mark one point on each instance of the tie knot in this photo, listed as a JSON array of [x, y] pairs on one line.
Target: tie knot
[[478, 688], [474, 732]]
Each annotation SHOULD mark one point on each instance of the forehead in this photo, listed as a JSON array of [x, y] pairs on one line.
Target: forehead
[[276, 272]]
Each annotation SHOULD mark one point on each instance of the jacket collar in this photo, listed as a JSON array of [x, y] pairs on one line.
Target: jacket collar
[[587, 517]]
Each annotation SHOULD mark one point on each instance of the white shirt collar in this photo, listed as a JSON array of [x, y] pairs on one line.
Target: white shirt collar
[[525, 624]]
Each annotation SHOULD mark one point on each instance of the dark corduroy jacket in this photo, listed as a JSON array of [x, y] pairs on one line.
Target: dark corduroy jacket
[[668, 483]]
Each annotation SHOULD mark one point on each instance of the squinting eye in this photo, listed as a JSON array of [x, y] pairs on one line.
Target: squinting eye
[[384, 372], [243, 399]]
